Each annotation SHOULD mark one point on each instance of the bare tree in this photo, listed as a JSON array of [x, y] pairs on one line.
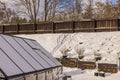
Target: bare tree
[[88, 14], [6, 13], [2, 12], [29, 8], [118, 8], [66, 10], [10, 15], [78, 8], [99, 10], [108, 12], [46, 10], [50, 9], [107, 9]]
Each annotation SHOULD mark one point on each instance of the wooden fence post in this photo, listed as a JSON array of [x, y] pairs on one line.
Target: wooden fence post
[[53, 27], [18, 28], [35, 28], [3, 29], [95, 25], [118, 24], [73, 26]]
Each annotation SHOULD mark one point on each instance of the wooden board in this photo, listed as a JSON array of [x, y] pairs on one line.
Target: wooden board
[[86, 65], [111, 68]]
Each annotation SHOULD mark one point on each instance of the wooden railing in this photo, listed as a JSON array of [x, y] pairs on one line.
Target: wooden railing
[[96, 25]]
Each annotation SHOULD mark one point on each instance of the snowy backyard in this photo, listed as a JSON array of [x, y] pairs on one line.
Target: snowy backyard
[[105, 43], [89, 75]]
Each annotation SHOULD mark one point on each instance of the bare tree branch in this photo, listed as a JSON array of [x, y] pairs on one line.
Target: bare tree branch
[[31, 7]]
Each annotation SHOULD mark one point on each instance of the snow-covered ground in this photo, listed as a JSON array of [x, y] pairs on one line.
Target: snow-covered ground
[[105, 43], [89, 75]]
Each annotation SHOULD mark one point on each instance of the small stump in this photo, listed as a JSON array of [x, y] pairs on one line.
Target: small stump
[[96, 74], [64, 57], [81, 57], [98, 58], [102, 74]]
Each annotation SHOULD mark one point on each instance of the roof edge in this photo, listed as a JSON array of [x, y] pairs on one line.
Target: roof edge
[[18, 75]]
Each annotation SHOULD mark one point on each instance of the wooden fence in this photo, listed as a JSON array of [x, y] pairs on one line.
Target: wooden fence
[[101, 67], [98, 25]]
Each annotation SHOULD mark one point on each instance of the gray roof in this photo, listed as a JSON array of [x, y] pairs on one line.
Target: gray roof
[[20, 56]]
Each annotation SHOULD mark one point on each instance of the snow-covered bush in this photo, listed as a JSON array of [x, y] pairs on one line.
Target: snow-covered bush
[[80, 51], [64, 50], [97, 56], [118, 55]]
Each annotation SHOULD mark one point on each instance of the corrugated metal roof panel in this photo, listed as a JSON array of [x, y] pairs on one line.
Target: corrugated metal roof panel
[[33, 53], [23, 53], [47, 53], [20, 56], [45, 58], [7, 65], [40, 53], [15, 56]]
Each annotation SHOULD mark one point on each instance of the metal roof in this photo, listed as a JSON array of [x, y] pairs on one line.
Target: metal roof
[[21, 56]]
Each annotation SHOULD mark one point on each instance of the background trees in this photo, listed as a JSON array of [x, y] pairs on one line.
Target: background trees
[[99, 10], [56, 10], [118, 8], [79, 8], [7, 14], [29, 8], [50, 9], [89, 13], [108, 7]]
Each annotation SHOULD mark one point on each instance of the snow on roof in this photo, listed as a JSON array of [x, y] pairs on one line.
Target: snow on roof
[[20, 55], [108, 61]]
